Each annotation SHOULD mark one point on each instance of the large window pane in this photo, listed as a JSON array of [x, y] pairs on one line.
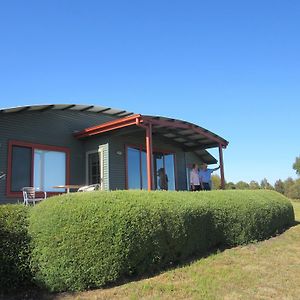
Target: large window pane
[[133, 169], [169, 166], [21, 168], [49, 169], [159, 172], [144, 171]]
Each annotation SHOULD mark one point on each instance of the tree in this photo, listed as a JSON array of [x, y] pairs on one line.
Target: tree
[[242, 185], [264, 184], [287, 185], [293, 190], [296, 165], [254, 185], [279, 186], [216, 182], [230, 186]]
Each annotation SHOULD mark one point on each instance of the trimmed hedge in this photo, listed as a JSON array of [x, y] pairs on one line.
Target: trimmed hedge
[[85, 240], [14, 247]]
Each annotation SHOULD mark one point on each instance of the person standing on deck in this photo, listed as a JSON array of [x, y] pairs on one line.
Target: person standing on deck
[[194, 178], [205, 177], [162, 179]]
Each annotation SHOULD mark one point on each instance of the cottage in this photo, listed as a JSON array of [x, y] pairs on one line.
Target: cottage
[[49, 145]]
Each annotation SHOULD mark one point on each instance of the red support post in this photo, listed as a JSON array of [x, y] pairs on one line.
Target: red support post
[[221, 167], [149, 156]]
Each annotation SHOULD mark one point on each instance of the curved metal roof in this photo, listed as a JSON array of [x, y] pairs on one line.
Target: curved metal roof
[[193, 137], [187, 132], [118, 113]]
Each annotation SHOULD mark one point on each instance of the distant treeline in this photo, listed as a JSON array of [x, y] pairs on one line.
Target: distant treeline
[[288, 187]]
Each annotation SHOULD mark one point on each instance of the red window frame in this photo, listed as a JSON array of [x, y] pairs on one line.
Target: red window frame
[[143, 148], [33, 146]]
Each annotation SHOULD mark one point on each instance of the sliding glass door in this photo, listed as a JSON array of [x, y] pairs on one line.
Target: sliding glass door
[[163, 166]]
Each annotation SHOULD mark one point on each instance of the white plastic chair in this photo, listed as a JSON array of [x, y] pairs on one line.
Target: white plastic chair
[[29, 194], [90, 188]]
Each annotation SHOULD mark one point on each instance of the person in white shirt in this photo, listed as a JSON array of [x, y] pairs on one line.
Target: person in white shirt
[[194, 178]]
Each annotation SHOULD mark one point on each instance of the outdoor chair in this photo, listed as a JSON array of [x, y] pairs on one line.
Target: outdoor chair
[[90, 188], [29, 195]]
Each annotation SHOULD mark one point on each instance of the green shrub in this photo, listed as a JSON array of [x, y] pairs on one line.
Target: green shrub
[[14, 247], [85, 240], [246, 216]]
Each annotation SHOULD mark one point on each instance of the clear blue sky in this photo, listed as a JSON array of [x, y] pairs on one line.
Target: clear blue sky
[[232, 67]]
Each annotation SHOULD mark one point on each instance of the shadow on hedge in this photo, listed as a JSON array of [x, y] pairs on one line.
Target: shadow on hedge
[[184, 263], [32, 292], [15, 272]]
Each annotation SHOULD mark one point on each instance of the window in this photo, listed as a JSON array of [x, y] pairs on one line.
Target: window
[[21, 168], [49, 169], [94, 167], [170, 168], [35, 165], [163, 164], [134, 168]]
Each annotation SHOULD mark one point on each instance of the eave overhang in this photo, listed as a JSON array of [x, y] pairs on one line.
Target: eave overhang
[[190, 137]]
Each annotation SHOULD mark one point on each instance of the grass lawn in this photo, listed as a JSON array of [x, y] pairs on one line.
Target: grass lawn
[[266, 270]]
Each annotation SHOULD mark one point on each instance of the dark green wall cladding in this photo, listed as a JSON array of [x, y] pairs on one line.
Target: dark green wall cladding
[[52, 127]]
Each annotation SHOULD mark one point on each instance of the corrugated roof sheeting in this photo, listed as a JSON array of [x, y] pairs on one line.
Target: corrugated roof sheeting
[[191, 137], [118, 113], [190, 132]]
